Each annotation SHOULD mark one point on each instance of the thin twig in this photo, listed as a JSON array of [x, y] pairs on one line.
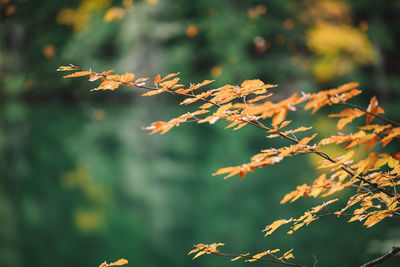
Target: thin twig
[[261, 259], [327, 157], [369, 113], [315, 260], [391, 253], [262, 126]]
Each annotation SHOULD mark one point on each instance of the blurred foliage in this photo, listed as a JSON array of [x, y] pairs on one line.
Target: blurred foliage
[[80, 182]]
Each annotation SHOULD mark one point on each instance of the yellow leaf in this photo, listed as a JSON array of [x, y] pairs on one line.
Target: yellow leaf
[[258, 256], [275, 225], [392, 163], [283, 124], [288, 255], [169, 76], [279, 117], [119, 262], [114, 13], [199, 254], [241, 256], [258, 98], [67, 68]]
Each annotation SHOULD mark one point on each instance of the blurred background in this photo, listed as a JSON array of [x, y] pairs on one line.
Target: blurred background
[[81, 183]]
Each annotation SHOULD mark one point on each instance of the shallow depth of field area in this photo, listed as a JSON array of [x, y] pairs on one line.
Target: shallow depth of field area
[[82, 183]]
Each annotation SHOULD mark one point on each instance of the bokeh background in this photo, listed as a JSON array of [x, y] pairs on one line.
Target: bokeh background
[[81, 183]]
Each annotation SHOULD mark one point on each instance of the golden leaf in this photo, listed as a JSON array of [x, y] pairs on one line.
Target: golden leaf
[[392, 162], [257, 256], [275, 225], [288, 255], [169, 76], [127, 77], [67, 68], [119, 262], [283, 124], [78, 74], [279, 116], [140, 80], [241, 256], [373, 108]]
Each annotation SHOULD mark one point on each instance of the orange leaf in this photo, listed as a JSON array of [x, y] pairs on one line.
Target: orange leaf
[[279, 117], [170, 83], [258, 98], [107, 85], [78, 74], [106, 73], [141, 80], [283, 124], [169, 76], [119, 262], [127, 77], [94, 76], [153, 92], [157, 80], [373, 108], [348, 116]]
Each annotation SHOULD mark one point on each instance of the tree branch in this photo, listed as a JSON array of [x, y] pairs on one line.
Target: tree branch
[[261, 259], [391, 253], [262, 126], [369, 113], [327, 157]]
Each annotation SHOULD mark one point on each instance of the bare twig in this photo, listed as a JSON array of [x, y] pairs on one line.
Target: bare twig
[[315, 260], [391, 253]]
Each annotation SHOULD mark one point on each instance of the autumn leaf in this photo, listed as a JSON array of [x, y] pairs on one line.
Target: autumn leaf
[[373, 108], [279, 117], [275, 225], [169, 76], [78, 74], [239, 257], [140, 81], [247, 104], [288, 255], [258, 98], [67, 68], [127, 77], [284, 124], [119, 262], [106, 73], [259, 256], [348, 116]]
